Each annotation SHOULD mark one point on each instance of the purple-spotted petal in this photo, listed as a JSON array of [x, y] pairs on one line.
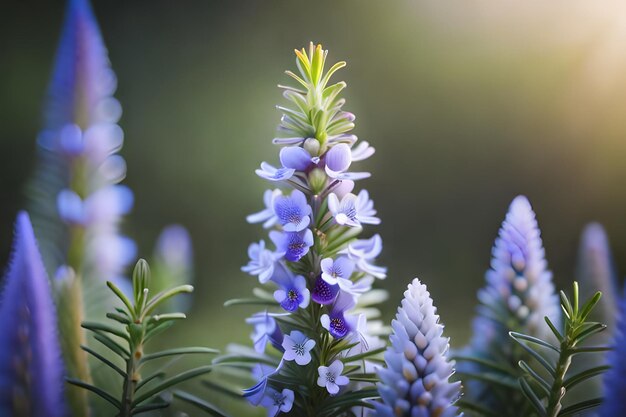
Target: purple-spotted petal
[[323, 292]]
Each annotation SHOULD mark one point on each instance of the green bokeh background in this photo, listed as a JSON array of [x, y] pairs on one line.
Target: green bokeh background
[[467, 103]]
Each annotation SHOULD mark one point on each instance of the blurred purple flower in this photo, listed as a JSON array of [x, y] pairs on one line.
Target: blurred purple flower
[[363, 251], [31, 369], [266, 215], [265, 330], [614, 382], [277, 402], [262, 261]]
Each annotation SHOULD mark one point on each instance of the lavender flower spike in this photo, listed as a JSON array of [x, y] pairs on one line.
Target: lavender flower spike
[[31, 370], [520, 291], [614, 382], [596, 272], [416, 379]]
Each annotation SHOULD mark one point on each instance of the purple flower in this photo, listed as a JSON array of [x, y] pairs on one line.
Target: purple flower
[[277, 402], [292, 292], [261, 262], [338, 271], [297, 158], [262, 372], [338, 160], [297, 347], [265, 330], [343, 188], [353, 210], [363, 251], [362, 151], [31, 368], [266, 215], [293, 211], [336, 321], [293, 244], [330, 377], [271, 173], [323, 292]]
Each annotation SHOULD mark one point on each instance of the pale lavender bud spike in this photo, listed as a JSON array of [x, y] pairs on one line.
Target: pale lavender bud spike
[[596, 271], [31, 369], [416, 379], [519, 287]]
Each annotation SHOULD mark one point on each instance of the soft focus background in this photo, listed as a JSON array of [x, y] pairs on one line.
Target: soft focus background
[[467, 103]]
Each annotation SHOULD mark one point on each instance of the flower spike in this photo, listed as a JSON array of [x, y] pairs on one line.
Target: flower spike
[[416, 381], [319, 271], [32, 376]]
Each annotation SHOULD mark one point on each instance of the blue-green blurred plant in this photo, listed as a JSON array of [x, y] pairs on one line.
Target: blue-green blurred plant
[[140, 324], [545, 386]]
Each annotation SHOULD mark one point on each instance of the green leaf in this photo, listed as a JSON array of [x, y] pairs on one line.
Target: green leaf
[[495, 366], [534, 340], [476, 409], [122, 297], [250, 301], [101, 393], [199, 403], [364, 355], [491, 378], [534, 354], [584, 375], [552, 327], [184, 376], [145, 381], [104, 328], [589, 305], [112, 345], [532, 397], [581, 406], [104, 360], [149, 407], [542, 383], [177, 351], [164, 296]]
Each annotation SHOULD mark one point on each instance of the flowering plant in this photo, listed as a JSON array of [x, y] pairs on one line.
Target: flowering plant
[[83, 342]]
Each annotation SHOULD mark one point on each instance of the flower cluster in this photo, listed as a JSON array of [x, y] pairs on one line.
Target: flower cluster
[[416, 379], [518, 295], [314, 260], [78, 149]]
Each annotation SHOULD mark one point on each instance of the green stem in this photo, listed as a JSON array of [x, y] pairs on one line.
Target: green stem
[[130, 382], [558, 390]]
